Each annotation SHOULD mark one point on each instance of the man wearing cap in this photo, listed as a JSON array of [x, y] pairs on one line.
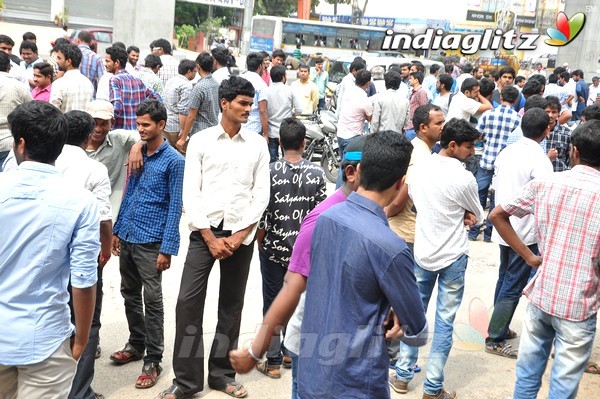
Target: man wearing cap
[[111, 147]]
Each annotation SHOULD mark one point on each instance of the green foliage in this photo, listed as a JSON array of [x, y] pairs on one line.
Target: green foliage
[[195, 14], [281, 8], [210, 27], [184, 32]]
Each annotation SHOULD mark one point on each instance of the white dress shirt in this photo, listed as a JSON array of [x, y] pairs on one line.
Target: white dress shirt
[[515, 166], [73, 91], [442, 190], [226, 180]]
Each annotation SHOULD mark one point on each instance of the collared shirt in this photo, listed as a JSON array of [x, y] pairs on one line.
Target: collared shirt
[[321, 81], [308, 93], [442, 102], [517, 165], [113, 153], [221, 74], [103, 92], [205, 98], [260, 94], [552, 89], [594, 90], [430, 85], [18, 73], [12, 94], [462, 107], [152, 204], [404, 222], [28, 68], [517, 135], [41, 94], [565, 207], [92, 65], [581, 90], [390, 111], [349, 293], [90, 174], [281, 102], [296, 188], [495, 125], [346, 83], [54, 236], [73, 91], [442, 190], [226, 180], [460, 79], [177, 101], [559, 139], [151, 80], [126, 93], [357, 107], [169, 69]]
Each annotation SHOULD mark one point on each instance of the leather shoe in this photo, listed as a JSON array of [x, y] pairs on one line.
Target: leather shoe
[[443, 394]]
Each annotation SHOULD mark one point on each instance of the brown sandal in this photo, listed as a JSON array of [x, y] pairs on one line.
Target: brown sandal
[[126, 355], [150, 372], [271, 371], [235, 390]]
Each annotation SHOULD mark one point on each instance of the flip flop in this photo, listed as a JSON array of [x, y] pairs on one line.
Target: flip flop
[[238, 390]]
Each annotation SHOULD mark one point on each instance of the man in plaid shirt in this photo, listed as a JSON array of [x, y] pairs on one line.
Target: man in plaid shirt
[[495, 125], [564, 293], [559, 139], [126, 90], [91, 63]]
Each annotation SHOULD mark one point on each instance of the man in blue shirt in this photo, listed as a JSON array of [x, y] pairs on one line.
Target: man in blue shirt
[[50, 234], [146, 235], [351, 287], [582, 91]]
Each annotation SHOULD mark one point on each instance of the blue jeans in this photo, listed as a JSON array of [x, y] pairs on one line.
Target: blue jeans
[[573, 342], [484, 180], [273, 145], [512, 278], [451, 286], [294, 374], [342, 144]]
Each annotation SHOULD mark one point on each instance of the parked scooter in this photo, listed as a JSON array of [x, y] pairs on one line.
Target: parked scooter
[[321, 142]]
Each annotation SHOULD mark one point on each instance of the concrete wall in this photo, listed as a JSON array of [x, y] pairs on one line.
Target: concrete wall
[[139, 22], [582, 53]]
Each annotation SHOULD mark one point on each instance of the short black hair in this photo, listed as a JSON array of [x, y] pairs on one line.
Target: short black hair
[[7, 40], [446, 80], [303, 66], [71, 52], [469, 84], [133, 48], [4, 62], [392, 79], [28, 45], [531, 88], [566, 76], [42, 126], [419, 66], [362, 77], [434, 68], [164, 44], [577, 72], [385, 158], [421, 115], [559, 69], [586, 137], [254, 61], [553, 102], [152, 61], [291, 133], [418, 75], [467, 68], [535, 101], [120, 45], [59, 41], [520, 79], [539, 77], [278, 73], [45, 69], [553, 78], [154, 108], [319, 60], [205, 61], [486, 86], [458, 130], [185, 66], [510, 94], [85, 36], [591, 112], [357, 65], [534, 123], [233, 87], [117, 54], [509, 70], [29, 36], [221, 54], [81, 125], [279, 53]]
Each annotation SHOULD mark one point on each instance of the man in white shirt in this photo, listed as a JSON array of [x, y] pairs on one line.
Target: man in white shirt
[[594, 90], [468, 102], [74, 90], [445, 196], [390, 108], [221, 56], [466, 74], [509, 179], [170, 65], [443, 87], [347, 82], [226, 190], [356, 110]]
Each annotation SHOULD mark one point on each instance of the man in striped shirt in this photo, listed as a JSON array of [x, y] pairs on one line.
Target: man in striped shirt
[[91, 63], [73, 91]]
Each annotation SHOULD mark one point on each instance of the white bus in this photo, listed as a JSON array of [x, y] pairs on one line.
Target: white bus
[[331, 39]]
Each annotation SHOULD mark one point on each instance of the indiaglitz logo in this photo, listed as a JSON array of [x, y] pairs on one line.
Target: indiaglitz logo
[[490, 39], [566, 29]]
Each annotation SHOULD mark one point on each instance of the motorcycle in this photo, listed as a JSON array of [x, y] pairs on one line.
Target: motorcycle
[[321, 142]]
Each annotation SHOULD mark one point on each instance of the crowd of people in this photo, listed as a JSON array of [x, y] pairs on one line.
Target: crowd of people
[[103, 155]]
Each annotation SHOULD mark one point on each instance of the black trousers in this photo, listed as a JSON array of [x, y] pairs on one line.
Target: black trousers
[[82, 383], [188, 351]]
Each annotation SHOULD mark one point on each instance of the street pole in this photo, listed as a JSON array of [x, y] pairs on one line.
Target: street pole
[[247, 27]]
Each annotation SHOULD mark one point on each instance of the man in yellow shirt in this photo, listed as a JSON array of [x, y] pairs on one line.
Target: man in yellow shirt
[[306, 90]]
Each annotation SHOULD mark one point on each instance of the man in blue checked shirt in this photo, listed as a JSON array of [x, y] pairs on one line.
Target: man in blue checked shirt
[[146, 235]]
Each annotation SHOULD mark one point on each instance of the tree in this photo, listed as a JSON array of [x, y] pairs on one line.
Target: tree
[[281, 8], [196, 14]]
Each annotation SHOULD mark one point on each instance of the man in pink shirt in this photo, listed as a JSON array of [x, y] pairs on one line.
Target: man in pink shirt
[[42, 77]]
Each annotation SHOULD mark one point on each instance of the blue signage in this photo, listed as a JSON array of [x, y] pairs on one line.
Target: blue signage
[[261, 44], [375, 22]]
